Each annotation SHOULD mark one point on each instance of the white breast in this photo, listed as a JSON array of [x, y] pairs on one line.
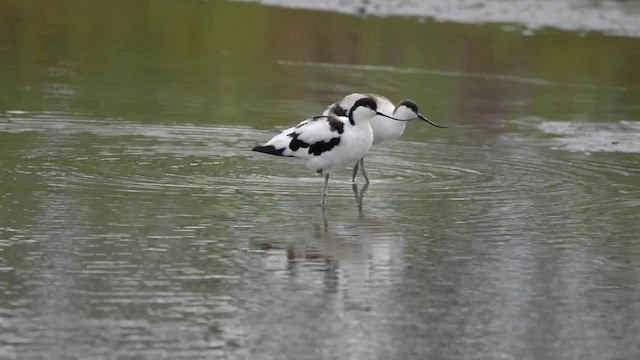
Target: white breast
[[355, 142]]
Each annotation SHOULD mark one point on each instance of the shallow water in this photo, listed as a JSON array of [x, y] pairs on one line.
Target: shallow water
[[136, 224]]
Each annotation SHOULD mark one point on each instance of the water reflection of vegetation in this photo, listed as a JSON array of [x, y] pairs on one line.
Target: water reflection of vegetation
[[212, 61]]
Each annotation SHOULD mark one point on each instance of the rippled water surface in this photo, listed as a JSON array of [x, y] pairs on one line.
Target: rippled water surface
[[135, 222]]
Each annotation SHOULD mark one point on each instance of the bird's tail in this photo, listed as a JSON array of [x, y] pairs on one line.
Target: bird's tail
[[269, 149], [278, 145]]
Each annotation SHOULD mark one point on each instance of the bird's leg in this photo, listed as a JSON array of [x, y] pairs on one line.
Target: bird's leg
[[324, 189], [324, 217], [359, 196], [364, 171], [355, 171]]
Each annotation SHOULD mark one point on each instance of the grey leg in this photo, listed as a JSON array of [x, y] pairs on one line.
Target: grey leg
[[360, 197], [324, 217], [364, 171], [324, 189], [355, 171]]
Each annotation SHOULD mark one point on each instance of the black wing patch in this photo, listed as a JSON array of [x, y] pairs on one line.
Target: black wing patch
[[336, 125], [338, 110], [316, 148]]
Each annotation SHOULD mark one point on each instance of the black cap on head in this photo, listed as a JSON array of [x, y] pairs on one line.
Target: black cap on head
[[367, 102], [410, 104]]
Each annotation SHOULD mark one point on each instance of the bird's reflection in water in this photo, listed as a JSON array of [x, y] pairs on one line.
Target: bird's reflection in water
[[350, 256], [325, 220], [359, 196]]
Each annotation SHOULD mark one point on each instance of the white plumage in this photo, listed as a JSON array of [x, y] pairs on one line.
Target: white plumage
[[330, 142], [383, 128]]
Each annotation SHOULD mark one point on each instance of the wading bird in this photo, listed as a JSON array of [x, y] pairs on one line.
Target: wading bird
[[383, 128], [330, 142]]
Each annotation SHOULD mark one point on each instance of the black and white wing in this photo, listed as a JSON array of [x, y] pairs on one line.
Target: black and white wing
[[310, 138]]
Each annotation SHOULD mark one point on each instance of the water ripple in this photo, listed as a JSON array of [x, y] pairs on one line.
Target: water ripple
[[184, 225], [216, 160]]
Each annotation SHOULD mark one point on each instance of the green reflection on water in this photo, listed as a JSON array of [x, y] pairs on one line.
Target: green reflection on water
[[126, 175], [217, 62]]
